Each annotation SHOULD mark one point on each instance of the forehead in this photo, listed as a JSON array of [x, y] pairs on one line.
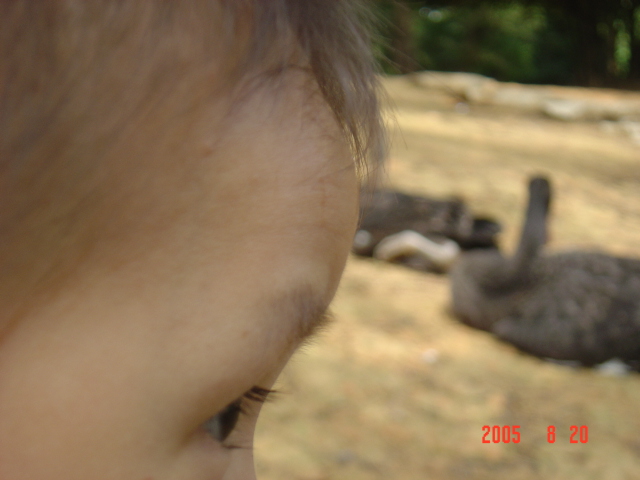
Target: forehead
[[279, 142], [286, 203]]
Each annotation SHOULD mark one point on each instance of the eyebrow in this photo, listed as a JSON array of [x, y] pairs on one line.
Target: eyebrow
[[305, 309]]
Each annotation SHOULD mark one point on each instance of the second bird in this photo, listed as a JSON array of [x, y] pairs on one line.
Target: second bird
[[581, 306]]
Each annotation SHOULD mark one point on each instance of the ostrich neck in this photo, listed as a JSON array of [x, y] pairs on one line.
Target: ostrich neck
[[533, 237]]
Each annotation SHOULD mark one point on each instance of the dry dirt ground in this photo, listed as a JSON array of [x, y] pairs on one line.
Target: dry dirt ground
[[396, 388]]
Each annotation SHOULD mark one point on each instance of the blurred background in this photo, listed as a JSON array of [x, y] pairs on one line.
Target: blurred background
[[397, 387], [564, 42]]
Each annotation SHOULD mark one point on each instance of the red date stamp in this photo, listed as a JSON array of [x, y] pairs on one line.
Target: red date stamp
[[511, 434], [498, 434]]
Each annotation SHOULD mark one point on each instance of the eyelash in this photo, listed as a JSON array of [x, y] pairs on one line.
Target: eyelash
[[222, 424]]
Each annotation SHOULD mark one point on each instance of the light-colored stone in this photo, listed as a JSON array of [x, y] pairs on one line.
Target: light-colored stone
[[632, 129], [563, 103], [565, 109]]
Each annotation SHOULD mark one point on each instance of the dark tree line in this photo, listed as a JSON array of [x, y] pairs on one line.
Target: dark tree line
[[583, 42], [595, 25]]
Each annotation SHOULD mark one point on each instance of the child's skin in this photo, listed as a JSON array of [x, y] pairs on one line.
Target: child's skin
[[192, 268]]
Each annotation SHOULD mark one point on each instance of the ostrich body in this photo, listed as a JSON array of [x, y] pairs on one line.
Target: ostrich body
[[424, 233], [577, 306]]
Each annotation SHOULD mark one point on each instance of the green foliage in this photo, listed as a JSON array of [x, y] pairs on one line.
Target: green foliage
[[530, 41], [498, 41], [553, 60]]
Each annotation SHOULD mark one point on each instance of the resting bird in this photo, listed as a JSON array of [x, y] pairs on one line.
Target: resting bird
[[578, 306], [423, 233]]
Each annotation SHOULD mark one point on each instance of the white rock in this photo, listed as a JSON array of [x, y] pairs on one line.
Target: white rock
[[632, 129], [430, 356], [613, 368], [408, 242], [567, 110], [362, 239], [520, 97]]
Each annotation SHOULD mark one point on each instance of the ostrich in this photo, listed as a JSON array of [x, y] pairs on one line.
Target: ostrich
[[422, 233], [573, 306]]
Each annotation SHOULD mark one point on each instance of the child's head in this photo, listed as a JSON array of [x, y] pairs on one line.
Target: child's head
[[178, 194]]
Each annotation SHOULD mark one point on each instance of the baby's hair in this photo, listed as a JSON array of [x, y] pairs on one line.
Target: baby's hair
[[73, 72], [82, 80], [335, 38]]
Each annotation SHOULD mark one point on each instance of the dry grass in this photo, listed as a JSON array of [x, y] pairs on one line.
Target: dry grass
[[397, 388]]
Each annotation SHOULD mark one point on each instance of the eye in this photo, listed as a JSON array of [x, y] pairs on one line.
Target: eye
[[223, 423]]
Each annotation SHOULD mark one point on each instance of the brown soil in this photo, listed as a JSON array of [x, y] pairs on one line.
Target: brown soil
[[397, 388]]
